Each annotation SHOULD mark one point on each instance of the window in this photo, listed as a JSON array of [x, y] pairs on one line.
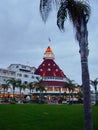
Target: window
[[5, 71], [56, 89], [41, 70], [38, 78], [4, 79], [19, 74], [64, 89], [26, 76], [12, 73], [17, 66], [32, 77], [49, 69], [25, 83], [56, 70], [50, 89], [23, 66]]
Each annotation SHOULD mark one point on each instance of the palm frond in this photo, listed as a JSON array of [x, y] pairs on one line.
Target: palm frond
[[56, 3], [94, 82], [45, 8], [79, 13], [62, 15]]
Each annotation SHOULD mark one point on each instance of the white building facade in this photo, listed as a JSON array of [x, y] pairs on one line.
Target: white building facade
[[18, 71]]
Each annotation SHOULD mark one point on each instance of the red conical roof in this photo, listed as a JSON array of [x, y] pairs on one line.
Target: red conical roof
[[48, 67]]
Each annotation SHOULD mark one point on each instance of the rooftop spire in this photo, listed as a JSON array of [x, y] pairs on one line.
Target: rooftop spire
[[48, 54]]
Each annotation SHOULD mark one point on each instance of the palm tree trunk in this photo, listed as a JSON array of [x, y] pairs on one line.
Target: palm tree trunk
[[20, 94], [40, 97], [69, 96], [86, 97], [60, 91], [72, 95], [96, 102], [30, 95], [85, 78], [4, 94], [13, 93]]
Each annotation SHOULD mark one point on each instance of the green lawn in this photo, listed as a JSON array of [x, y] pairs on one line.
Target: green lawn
[[43, 117]]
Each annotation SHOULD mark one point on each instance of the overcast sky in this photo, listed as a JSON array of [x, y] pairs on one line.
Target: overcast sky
[[24, 38]]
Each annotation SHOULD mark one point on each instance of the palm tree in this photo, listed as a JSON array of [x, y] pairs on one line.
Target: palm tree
[[31, 87], [0, 88], [41, 88], [70, 85], [67, 86], [94, 83], [21, 86], [14, 84], [5, 87], [80, 93], [79, 13]]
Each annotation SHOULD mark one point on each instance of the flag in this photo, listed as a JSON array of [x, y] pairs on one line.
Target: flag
[[49, 39]]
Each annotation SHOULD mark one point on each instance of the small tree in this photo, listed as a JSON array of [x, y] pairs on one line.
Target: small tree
[[5, 87], [14, 83], [31, 87], [41, 88], [21, 86], [80, 93], [70, 85], [94, 83]]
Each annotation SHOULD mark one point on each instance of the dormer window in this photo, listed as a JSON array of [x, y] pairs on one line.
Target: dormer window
[[41, 70], [49, 69], [56, 70]]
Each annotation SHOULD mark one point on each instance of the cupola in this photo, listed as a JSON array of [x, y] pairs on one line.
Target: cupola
[[48, 54]]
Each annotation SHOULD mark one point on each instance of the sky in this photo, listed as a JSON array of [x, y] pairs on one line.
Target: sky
[[24, 38]]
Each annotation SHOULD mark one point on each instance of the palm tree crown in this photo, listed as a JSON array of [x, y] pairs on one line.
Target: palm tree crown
[[4, 86], [78, 12], [14, 84], [40, 86], [94, 83]]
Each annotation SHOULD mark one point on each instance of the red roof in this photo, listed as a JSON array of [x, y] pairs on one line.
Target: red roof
[[49, 68]]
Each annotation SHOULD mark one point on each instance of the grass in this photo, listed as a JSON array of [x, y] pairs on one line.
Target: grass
[[43, 117]]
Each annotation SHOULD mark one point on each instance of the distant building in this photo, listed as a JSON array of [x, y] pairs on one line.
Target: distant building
[[53, 77], [18, 71]]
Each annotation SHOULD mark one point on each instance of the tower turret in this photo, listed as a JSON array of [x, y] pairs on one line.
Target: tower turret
[[48, 54]]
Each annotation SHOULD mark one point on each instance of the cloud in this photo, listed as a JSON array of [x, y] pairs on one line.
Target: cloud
[[24, 38]]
